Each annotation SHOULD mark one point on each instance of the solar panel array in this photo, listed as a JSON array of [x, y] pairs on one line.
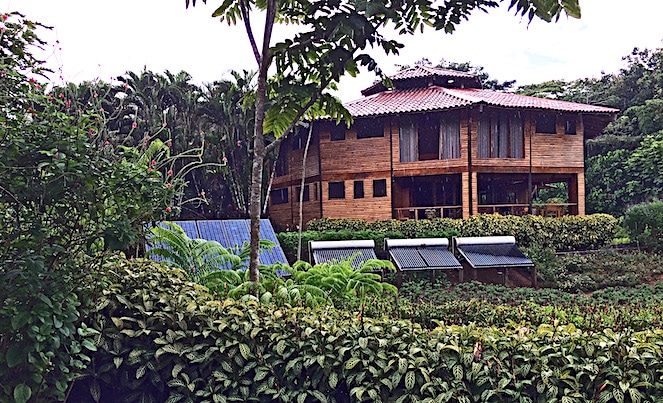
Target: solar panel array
[[231, 234], [424, 258], [360, 255], [494, 255]]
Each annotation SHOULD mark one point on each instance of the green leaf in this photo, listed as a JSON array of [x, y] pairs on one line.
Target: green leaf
[[14, 356], [22, 393], [409, 380], [351, 363]]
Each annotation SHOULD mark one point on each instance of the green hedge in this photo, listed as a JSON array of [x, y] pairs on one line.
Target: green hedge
[[563, 234], [164, 339]]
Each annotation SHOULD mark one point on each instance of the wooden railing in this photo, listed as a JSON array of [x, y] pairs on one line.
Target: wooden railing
[[546, 210], [428, 212]]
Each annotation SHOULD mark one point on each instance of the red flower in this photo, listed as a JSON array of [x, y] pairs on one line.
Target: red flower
[[4, 17], [91, 132], [170, 172], [61, 96], [149, 169], [169, 144], [106, 143], [153, 162], [133, 125], [32, 81], [168, 209], [168, 185]]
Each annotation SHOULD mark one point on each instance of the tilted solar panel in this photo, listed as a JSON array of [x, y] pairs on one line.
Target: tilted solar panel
[[439, 258], [327, 255], [494, 255], [190, 228], [407, 258]]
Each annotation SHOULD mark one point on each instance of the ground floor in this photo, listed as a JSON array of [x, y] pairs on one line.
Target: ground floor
[[456, 195]]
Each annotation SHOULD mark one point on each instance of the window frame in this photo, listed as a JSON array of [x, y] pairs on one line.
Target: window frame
[[339, 187], [282, 198], [367, 128], [382, 187]]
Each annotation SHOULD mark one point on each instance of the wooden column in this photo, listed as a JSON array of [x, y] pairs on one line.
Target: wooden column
[[468, 193], [580, 183]]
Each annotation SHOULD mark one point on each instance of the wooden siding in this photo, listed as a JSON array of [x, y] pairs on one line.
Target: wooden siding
[[368, 208]]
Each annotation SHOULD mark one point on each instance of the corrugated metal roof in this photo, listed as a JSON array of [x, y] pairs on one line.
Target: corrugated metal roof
[[436, 98], [494, 255], [360, 255]]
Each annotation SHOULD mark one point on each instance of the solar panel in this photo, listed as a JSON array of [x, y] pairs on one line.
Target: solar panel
[[494, 255], [439, 258], [190, 228], [407, 258], [338, 254], [233, 233]]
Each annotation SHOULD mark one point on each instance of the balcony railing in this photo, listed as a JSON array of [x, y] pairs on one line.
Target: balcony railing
[[546, 210], [429, 212]]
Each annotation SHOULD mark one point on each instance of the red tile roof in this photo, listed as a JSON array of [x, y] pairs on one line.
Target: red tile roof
[[438, 98], [426, 71]]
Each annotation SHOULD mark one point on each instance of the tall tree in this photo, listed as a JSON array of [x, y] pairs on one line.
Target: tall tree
[[331, 42]]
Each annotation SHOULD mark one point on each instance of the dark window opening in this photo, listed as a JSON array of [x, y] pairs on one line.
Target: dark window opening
[[307, 196], [337, 132], [336, 190], [315, 191], [359, 190], [428, 128], [282, 163], [367, 128], [546, 123], [501, 135], [380, 188], [280, 196], [570, 125]]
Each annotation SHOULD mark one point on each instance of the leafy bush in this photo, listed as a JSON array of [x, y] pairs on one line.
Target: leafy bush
[[164, 339], [645, 224], [564, 234]]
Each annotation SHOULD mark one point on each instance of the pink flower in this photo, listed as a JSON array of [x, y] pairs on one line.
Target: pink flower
[[101, 110], [61, 96], [169, 144], [32, 81], [170, 172], [202, 193], [225, 160], [149, 169], [68, 103], [144, 144], [168, 209], [133, 125], [164, 124], [106, 143], [91, 132], [153, 162], [168, 185], [4, 17], [57, 155], [38, 86], [95, 95], [239, 143], [147, 137], [29, 109]]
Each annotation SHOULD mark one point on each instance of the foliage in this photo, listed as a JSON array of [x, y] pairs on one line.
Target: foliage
[[565, 233], [196, 257], [164, 339], [645, 224]]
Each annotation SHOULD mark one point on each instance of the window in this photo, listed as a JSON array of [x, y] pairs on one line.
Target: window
[[546, 123], [306, 197], [380, 188], [280, 196], [369, 128], [500, 135], [337, 132], [407, 139], [315, 191], [570, 125], [336, 190], [428, 133], [282, 163], [359, 190]]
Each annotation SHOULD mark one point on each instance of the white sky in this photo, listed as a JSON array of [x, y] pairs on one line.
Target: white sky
[[102, 39]]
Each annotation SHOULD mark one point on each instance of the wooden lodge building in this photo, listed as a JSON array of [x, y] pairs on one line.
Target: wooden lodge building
[[437, 145]]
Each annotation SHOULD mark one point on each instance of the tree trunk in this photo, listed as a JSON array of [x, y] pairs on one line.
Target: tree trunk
[[301, 193]]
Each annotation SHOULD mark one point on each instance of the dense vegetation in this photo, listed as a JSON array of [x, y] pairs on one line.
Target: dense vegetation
[[85, 169]]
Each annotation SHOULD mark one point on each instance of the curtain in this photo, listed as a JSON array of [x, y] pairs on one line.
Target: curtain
[[407, 139], [517, 137], [450, 132], [483, 137]]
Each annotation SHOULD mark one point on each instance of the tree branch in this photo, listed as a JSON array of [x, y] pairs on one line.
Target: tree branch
[[249, 30]]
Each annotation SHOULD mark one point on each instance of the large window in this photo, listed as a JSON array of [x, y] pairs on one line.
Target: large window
[[570, 124], [336, 190], [280, 196], [369, 127], [546, 123], [500, 135], [429, 137], [380, 188]]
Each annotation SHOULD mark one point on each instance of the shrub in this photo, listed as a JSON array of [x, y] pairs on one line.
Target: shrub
[[564, 234], [164, 339], [645, 224]]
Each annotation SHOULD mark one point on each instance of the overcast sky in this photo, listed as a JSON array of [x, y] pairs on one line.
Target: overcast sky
[[101, 39]]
